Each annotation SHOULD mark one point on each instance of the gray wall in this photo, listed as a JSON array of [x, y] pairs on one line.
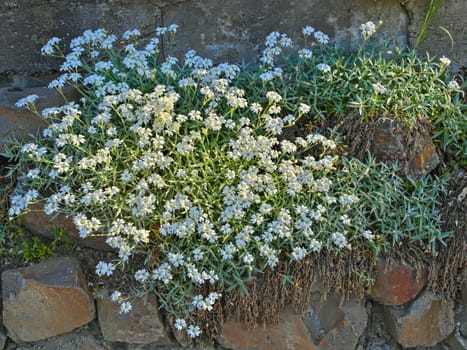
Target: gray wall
[[221, 29]]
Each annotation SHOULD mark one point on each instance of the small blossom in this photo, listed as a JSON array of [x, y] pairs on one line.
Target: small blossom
[[115, 296], [321, 37], [445, 61], [49, 48], [454, 85], [308, 30], [125, 307], [379, 88], [368, 235], [193, 331], [368, 29], [323, 67], [180, 324], [304, 108], [248, 258], [26, 100], [131, 34], [273, 96], [104, 269], [142, 275]]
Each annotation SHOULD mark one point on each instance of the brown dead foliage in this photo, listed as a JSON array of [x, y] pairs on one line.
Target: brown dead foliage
[[363, 137], [448, 269], [290, 284]]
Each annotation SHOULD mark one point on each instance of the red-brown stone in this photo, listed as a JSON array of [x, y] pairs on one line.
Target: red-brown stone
[[39, 223], [397, 284], [290, 334], [425, 322], [142, 325], [335, 325], [45, 300], [20, 122], [416, 158]]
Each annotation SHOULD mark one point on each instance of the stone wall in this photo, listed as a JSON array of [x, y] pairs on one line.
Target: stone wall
[[399, 311], [232, 30], [48, 306]]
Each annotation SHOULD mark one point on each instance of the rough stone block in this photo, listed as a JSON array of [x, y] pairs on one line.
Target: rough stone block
[[20, 122], [81, 339], [425, 322], [396, 284], [39, 223], [290, 334], [456, 342], [142, 325], [45, 299], [3, 338], [461, 321], [335, 326], [181, 337], [416, 158]]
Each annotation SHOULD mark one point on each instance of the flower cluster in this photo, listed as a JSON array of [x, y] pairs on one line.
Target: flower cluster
[[181, 156]]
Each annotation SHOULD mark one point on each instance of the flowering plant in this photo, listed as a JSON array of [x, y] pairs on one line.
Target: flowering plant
[[187, 166]]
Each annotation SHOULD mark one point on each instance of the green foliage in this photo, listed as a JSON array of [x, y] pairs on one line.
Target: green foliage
[[398, 210], [16, 246], [374, 82], [424, 32], [188, 168], [37, 249]]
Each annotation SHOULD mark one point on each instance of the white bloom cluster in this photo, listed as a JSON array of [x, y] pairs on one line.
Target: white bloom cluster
[[368, 29], [178, 157], [379, 88], [26, 101]]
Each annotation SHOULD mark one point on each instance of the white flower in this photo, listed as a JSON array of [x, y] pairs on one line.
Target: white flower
[[256, 108], [193, 331], [161, 31], [26, 100], [339, 239], [308, 30], [33, 174], [104, 269], [180, 324], [298, 253], [172, 28], [304, 108], [130, 34], [453, 85], [49, 48], [125, 307], [445, 61], [289, 118], [115, 296], [305, 54], [176, 259], [345, 219], [323, 67], [248, 258], [273, 96], [315, 245], [379, 88], [271, 39], [368, 29], [285, 41], [321, 37], [198, 254], [142, 275], [368, 235]]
